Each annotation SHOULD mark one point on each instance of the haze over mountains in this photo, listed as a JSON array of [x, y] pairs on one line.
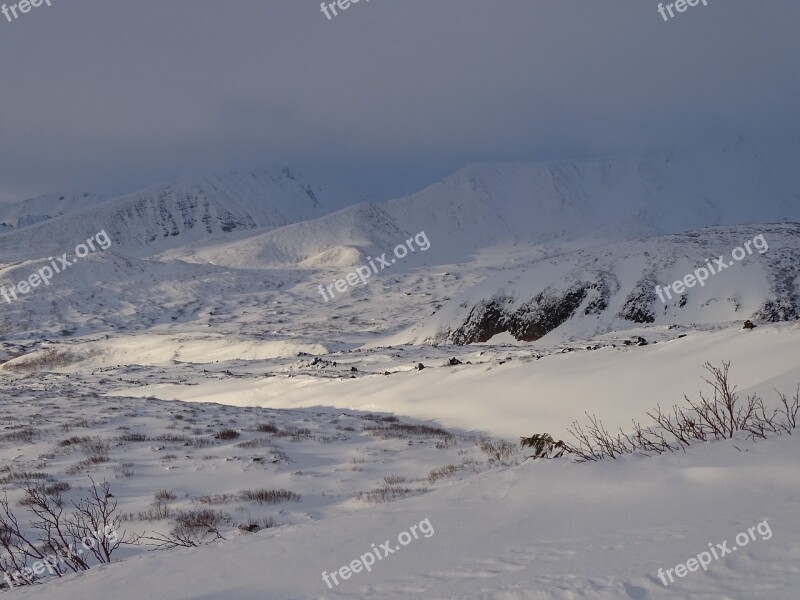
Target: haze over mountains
[[485, 205], [277, 230]]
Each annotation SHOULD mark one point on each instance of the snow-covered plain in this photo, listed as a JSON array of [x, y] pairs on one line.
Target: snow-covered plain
[[151, 350]]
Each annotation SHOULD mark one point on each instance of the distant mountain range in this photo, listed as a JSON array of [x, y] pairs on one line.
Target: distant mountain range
[[168, 215], [578, 246], [556, 202]]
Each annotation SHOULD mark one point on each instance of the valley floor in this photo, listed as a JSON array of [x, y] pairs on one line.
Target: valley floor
[[372, 454]]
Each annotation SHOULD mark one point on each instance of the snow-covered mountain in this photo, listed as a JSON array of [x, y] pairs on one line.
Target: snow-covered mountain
[[489, 205], [35, 210], [208, 298], [614, 287], [254, 238], [167, 215]]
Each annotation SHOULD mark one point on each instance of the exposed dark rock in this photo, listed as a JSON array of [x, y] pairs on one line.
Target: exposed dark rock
[[485, 320], [638, 305], [544, 313]]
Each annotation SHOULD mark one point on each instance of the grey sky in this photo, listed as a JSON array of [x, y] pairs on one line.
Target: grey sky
[[389, 95]]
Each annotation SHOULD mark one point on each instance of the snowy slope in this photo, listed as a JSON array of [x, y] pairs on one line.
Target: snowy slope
[[35, 210], [499, 205], [535, 531], [505, 391], [599, 289], [166, 215], [204, 314]]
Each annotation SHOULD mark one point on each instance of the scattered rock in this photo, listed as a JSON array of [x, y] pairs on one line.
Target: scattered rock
[[453, 362], [419, 367], [748, 324]]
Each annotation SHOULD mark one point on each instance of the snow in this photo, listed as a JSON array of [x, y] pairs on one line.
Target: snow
[[175, 333]]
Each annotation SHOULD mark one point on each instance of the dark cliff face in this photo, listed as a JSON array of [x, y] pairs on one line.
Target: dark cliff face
[[537, 317], [547, 310], [639, 303], [486, 320], [534, 319]]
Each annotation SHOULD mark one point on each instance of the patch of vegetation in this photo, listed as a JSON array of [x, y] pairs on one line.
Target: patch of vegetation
[[387, 493], [163, 495], [499, 451], [720, 416], [263, 496]]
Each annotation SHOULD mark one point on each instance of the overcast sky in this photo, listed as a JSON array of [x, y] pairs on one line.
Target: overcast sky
[[110, 95]]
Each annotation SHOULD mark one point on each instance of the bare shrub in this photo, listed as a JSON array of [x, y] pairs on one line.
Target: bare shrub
[[96, 451], [714, 417], [193, 528], [26, 477], [57, 532], [202, 442], [56, 488], [263, 496], [133, 437], [266, 428], [499, 451], [387, 493], [163, 495], [394, 479], [443, 472], [75, 440], [215, 500], [296, 434], [22, 434], [789, 410], [158, 512], [395, 430], [449, 470], [227, 434], [255, 443]]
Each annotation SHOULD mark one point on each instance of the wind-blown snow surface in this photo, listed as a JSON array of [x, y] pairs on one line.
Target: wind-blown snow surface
[[543, 530], [538, 530]]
